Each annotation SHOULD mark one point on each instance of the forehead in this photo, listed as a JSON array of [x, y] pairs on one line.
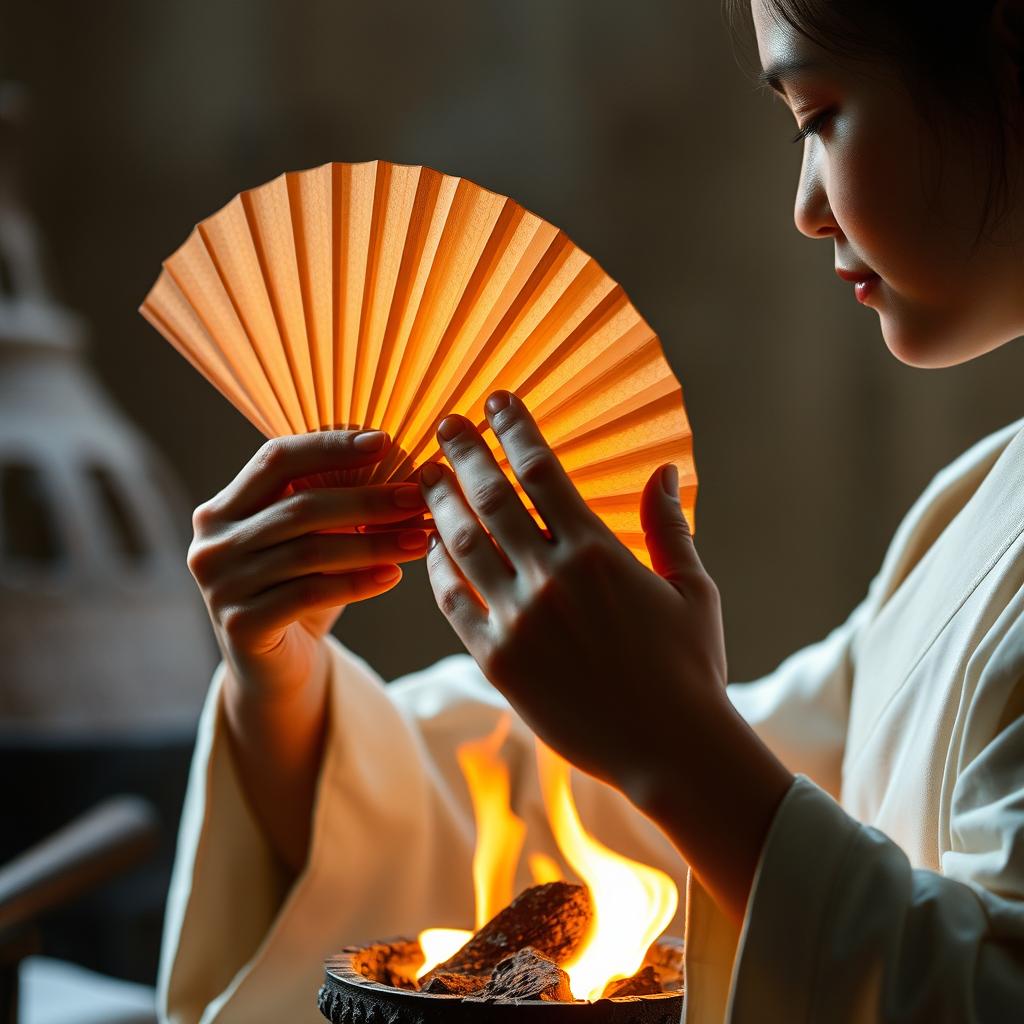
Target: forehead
[[777, 40]]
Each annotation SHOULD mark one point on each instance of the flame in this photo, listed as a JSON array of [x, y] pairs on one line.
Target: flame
[[499, 841], [633, 903], [499, 832], [544, 869], [438, 944]]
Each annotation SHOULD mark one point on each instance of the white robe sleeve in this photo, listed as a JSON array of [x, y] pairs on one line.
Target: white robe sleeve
[[391, 843], [868, 937], [801, 709]]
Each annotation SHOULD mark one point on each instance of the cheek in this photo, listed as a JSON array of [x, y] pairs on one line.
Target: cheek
[[877, 200]]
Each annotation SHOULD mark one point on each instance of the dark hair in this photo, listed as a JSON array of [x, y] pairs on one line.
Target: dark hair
[[945, 52]]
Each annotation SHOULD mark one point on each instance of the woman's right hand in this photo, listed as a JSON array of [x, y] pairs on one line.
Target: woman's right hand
[[273, 581]]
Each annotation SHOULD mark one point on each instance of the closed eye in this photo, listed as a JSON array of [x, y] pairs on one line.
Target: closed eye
[[813, 127]]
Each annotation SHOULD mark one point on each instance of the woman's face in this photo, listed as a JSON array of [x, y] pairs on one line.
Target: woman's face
[[874, 183]]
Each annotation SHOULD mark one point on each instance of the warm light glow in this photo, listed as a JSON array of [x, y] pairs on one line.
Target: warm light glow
[[440, 943], [543, 869], [385, 295], [499, 832], [633, 903], [499, 841]]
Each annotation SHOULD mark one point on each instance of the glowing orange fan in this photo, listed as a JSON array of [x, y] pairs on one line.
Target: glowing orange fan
[[384, 295]]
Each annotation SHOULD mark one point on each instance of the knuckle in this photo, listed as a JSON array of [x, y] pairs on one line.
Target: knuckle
[[463, 541], [537, 467], [201, 559], [299, 507], [203, 517], [234, 621], [491, 496], [710, 589], [451, 601], [272, 454]]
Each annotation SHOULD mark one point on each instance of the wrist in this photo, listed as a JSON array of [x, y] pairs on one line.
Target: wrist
[[714, 791]]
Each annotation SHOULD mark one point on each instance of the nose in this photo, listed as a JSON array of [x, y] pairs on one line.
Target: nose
[[812, 212]]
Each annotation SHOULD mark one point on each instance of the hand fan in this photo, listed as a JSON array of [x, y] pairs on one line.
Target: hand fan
[[383, 295]]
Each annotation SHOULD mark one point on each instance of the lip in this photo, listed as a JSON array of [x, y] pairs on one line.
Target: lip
[[864, 281]]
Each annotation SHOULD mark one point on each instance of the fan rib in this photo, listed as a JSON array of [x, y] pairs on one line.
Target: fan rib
[[541, 276], [242, 320], [410, 367], [237, 307], [395, 339], [433, 380], [227, 383], [303, 260], [280, 321], [465, 233], [367, 346]]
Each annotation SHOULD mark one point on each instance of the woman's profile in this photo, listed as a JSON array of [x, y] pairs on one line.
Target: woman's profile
[[849, 829]]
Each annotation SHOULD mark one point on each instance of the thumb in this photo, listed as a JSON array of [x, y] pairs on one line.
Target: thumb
[[666, 531]]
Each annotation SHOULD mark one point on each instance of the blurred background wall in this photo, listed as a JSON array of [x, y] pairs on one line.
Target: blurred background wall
[[630, 126]]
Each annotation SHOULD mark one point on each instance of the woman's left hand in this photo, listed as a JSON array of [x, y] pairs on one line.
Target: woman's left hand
[[602, 658]]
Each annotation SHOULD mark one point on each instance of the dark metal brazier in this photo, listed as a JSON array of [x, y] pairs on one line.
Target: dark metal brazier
[[358, 989]]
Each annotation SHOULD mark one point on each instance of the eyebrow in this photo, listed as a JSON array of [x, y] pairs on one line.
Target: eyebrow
[[774, 74]]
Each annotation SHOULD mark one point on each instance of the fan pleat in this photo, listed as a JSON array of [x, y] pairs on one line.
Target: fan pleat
[[194, 270], [175, 318], [386, 295], [267, 212], [309, 207], [233, 255]]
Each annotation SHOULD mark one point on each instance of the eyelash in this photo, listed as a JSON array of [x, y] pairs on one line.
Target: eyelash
[[813, 127]]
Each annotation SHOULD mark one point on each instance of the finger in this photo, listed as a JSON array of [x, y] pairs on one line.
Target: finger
[[666, 531], [279, 606], [316, 553], [456, 599], [284, 459], [537, 468], [488, 491], [326, 508], [465, 539]]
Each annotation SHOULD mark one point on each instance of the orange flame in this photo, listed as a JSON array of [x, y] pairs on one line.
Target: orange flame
[[543, 869], [499, 841], [633, 903], [438, 944]]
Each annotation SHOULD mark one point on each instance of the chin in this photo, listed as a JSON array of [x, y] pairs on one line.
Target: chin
[[929, 347]]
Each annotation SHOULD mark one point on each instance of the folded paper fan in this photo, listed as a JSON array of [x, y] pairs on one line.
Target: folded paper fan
[[386, 296]]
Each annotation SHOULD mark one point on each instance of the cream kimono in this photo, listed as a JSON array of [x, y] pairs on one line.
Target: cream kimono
[[891, 885]]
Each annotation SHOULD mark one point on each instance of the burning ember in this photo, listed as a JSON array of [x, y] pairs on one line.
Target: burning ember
[[556, 941]]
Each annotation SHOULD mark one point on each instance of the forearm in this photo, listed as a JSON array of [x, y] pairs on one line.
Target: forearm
[[277, 740], [715, 798]]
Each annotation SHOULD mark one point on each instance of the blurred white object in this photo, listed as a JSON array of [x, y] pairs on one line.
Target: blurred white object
[[56, 992]]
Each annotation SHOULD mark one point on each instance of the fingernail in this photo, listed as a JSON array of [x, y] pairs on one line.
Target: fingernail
[[369, 440], [434, 541], [386, 574], [408, 496], [430, 473], [498, 401], [450, 427], [670, 480], [410, 540]]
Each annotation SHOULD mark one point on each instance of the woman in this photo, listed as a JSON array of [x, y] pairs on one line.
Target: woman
[[853, 824]]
